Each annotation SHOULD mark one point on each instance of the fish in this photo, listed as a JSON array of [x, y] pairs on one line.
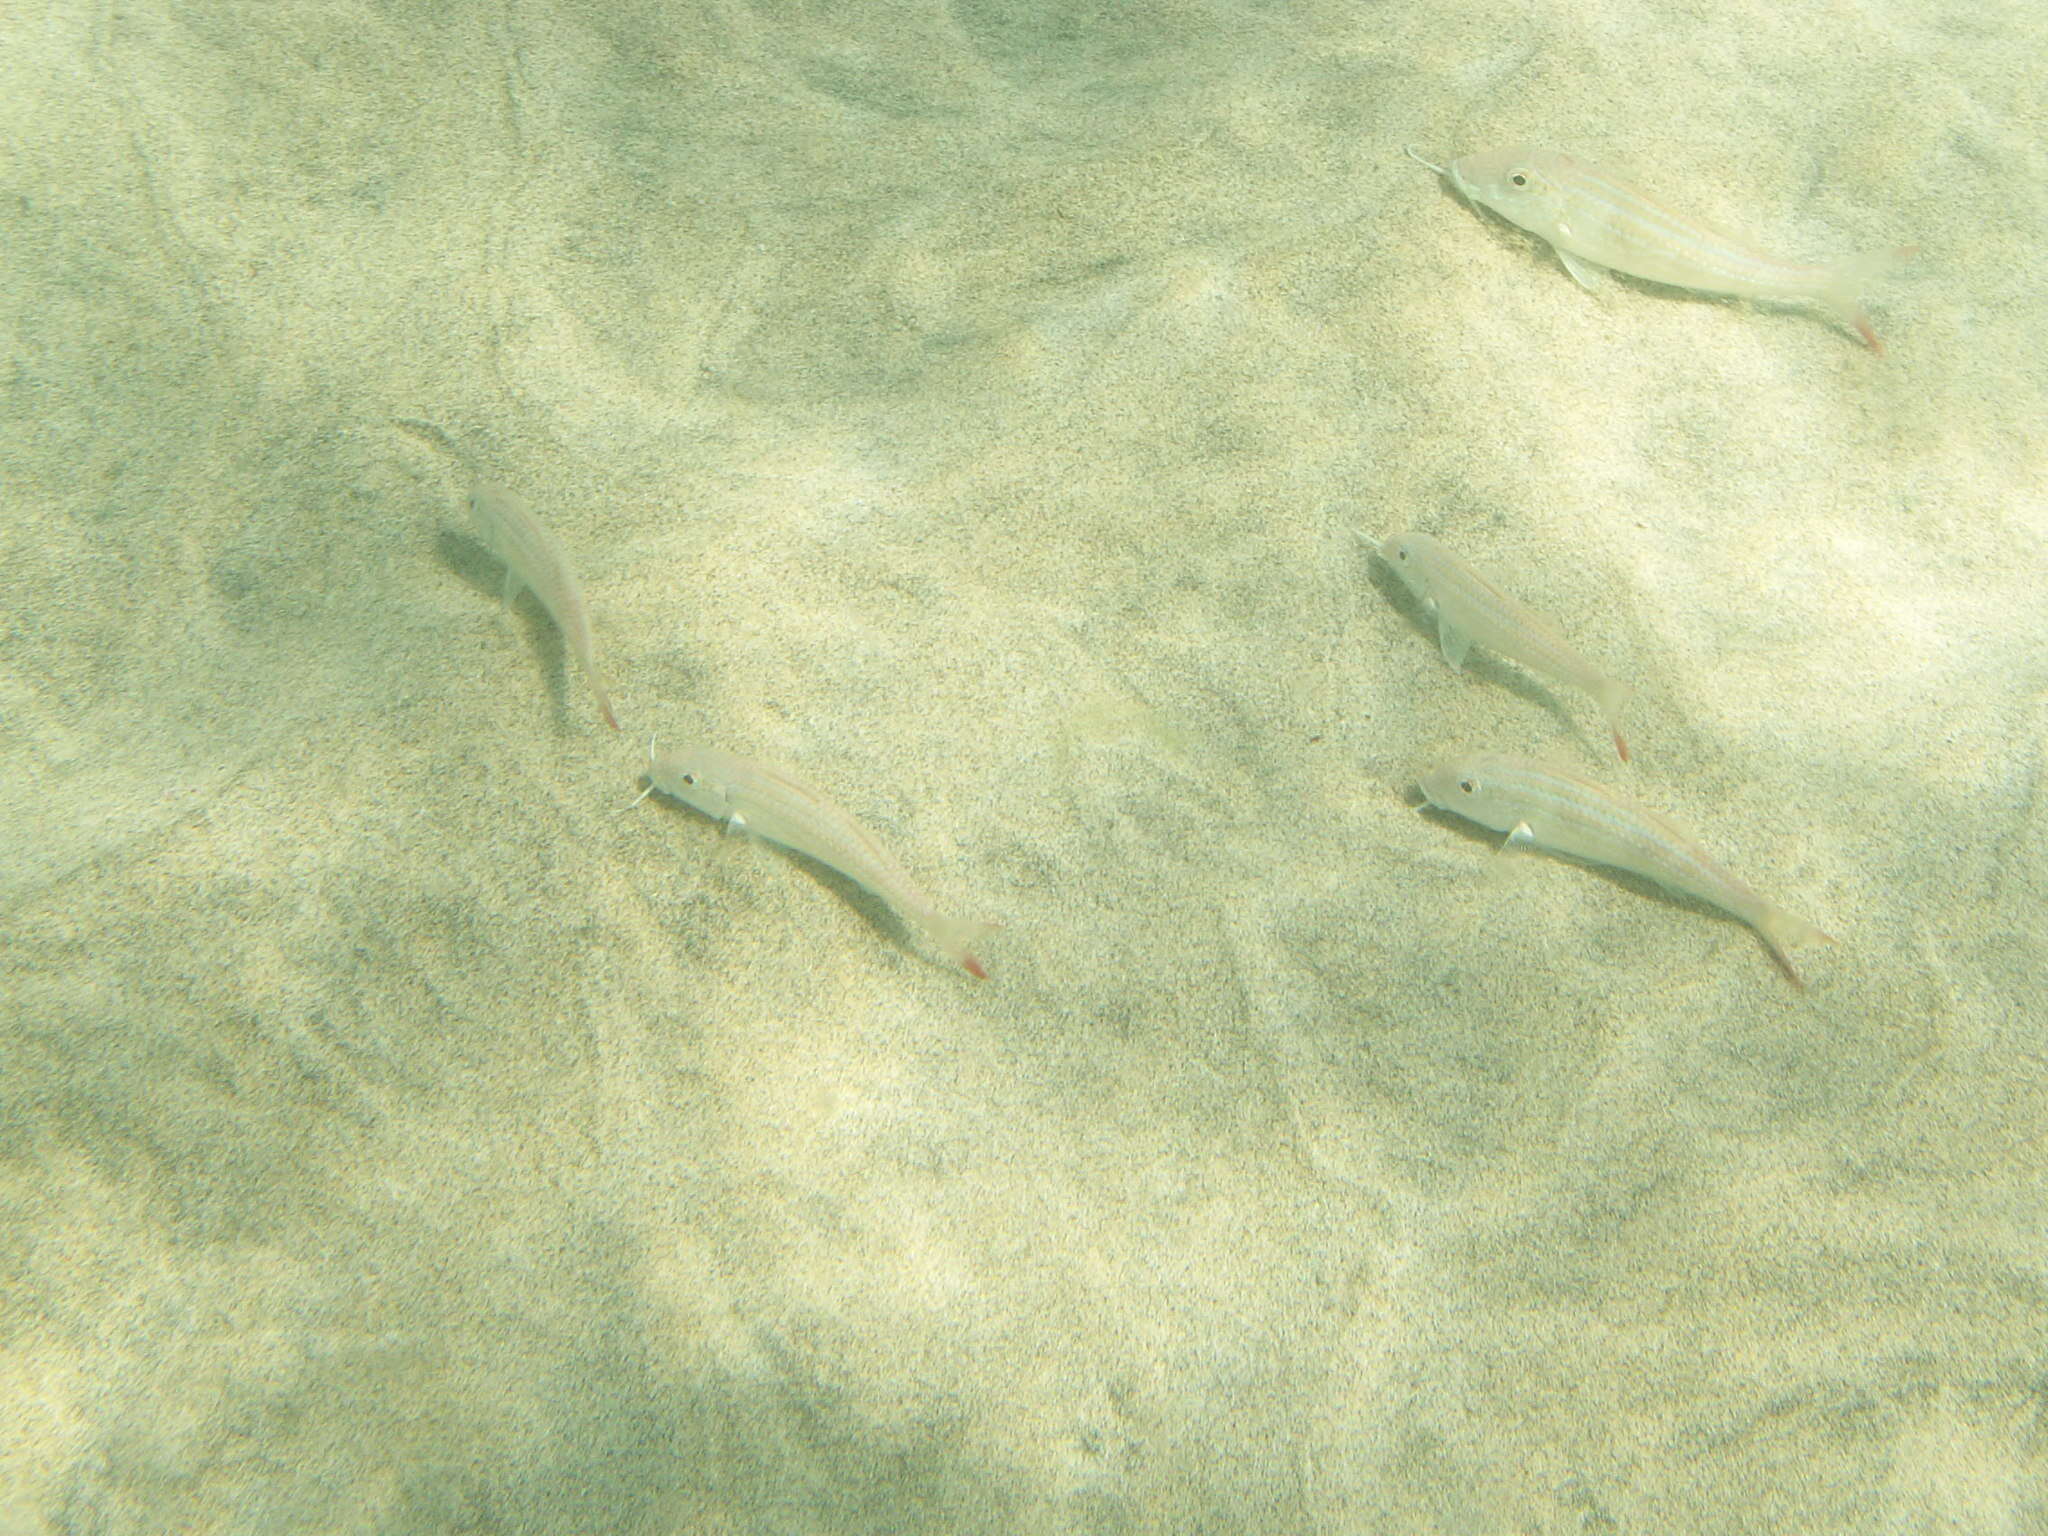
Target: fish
[[534, 559], [1469, 606], [1595, 219], [774, 803], [1548, 808]]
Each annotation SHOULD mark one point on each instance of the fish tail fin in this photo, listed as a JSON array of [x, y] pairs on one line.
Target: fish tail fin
[[1781, 931], [603, 691], [1613, 695], [1848, 278], [955, 938]]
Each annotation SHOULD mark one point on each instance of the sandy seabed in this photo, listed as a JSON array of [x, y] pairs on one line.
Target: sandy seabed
[[987, 409]]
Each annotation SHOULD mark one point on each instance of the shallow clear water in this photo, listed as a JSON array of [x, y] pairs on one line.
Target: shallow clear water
[[989, 411]]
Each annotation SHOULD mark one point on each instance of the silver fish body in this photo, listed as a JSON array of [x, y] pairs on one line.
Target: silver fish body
[[1471, 608], [535, 559], [773, 803], [1552, 809], [1596, 219]]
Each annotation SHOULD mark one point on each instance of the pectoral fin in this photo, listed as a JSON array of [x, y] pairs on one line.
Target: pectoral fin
[[1502, 868], [1584, 273], [1454, 641]]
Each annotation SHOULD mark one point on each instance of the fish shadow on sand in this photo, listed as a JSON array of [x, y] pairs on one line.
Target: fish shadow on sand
[[866, 905], [1634, 884], [1511, 236], [471, 560], [1480, 663]]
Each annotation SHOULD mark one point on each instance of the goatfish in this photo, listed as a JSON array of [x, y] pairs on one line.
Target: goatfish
[[773, 803], [1469, 606], [535, 559], [1550, 809], [1594, 219]]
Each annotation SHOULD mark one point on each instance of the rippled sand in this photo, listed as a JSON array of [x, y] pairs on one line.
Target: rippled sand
[[985, 408]]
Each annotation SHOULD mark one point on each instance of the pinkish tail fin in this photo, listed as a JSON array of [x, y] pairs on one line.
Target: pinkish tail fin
[[1849, 277], [604, 696], [1781, 930], [1613, 696], [955, 938]]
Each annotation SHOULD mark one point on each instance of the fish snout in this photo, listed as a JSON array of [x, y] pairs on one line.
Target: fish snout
[[1439, 786]]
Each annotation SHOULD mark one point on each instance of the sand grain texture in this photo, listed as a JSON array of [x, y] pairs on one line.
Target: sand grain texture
[[983, 407]]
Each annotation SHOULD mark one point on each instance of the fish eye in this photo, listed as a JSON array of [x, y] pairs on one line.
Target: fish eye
[[689, 778], [1467, 785], [1519, 178]]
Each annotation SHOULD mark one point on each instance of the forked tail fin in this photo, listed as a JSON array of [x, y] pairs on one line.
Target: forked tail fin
[[604, 698], [1851, 276], [1781, 930], [956, 938], [1613, 696]]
